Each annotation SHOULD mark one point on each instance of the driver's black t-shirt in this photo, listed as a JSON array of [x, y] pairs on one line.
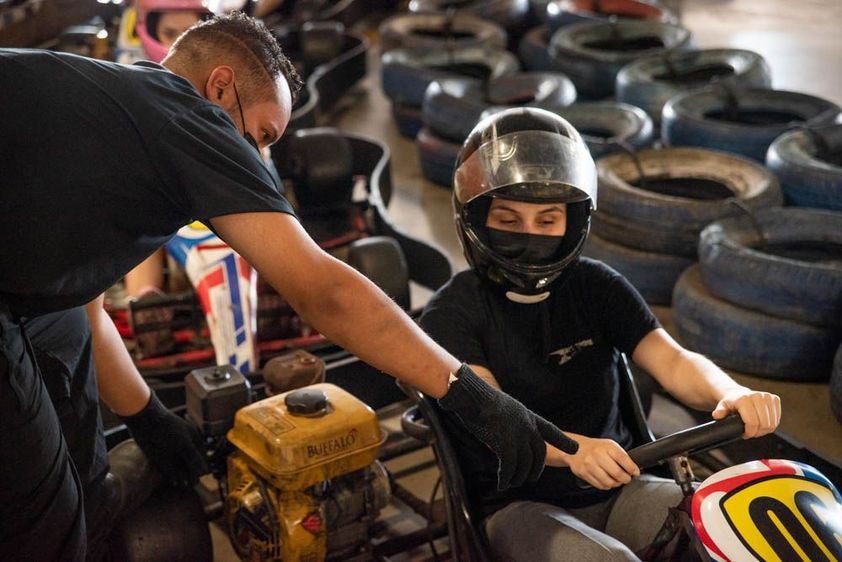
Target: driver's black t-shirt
[[557, 357], [100, 164]]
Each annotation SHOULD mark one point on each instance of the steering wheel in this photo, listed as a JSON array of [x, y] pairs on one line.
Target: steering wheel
[[688, 441]]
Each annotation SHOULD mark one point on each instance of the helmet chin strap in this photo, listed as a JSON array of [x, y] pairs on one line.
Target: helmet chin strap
[[526, 299]]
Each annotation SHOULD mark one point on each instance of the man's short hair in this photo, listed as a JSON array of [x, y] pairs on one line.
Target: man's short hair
[[252, 46]]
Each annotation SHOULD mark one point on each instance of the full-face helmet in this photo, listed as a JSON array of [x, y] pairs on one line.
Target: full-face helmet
[[525, 155]]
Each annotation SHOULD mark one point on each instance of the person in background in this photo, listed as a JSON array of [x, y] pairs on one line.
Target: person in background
[[544, 325]]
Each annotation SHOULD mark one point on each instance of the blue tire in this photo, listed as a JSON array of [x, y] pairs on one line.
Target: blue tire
[[809, 166], [437, 157], [782, 262], [408, 119], [747, 341], [652, 274], [650, 82], [607, 126], [453, 107], [740, 121], [406, 74], [836, 386], [534, 50], [592, 53], [686, 189]]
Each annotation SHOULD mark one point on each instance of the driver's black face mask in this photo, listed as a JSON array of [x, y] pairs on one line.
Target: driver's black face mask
[[525, 248], [246, 134]]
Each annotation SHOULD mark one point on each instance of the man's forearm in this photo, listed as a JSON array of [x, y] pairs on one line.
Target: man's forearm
[[358, 316], [698, 382], [120, 384]]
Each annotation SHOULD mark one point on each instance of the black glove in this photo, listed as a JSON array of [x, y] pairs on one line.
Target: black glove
[[514, 433], [172, 445]]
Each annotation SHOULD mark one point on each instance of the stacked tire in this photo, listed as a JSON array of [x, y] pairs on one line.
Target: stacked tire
[[766, 297], [406, 74], [808, 164], [561, 13], [650, 82], [654, 203], [453, 107], [743, 121]]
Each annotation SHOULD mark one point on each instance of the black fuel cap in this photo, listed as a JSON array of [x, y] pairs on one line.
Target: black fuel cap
[[310, 402]]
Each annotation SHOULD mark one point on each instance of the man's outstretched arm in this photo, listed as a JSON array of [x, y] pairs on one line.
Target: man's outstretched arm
[[351, 311]]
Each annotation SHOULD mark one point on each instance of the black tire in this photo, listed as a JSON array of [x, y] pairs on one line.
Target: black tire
[[653, 275], [561, 13], [687, 188], [747, 341], [406, 73], [607, 126], [169, 527], [439, 32], [740, 121], [782, 262], [836, 386], [437, 157], [453, 107], [408, 119], [508, 13], [534, 50], [809, 166], [320, 42], [646, 238], [650, 82], [592, 53], [381, 259]]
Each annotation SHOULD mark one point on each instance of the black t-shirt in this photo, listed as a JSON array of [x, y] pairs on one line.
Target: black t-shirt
[[558, 357], [100, 164]]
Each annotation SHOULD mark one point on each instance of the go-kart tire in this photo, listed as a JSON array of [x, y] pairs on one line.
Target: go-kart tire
[[407, 73], [592, 53], [836, 385], [407, 119], [713, 179], [743, 121], [796, 286], [561, 13], [382, 261], [437, 157], [169, 527], [320, 42], [508, 13], [534, 50], [645, 82], [439, 31], [747, 341], [809, 167], [652, 274], [608, 126], [453, 107]]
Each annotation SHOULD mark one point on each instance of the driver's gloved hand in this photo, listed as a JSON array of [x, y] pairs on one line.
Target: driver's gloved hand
[[514, 433], [173, 446]]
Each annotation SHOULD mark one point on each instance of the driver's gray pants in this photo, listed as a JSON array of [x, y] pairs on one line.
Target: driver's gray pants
[[611, 530]]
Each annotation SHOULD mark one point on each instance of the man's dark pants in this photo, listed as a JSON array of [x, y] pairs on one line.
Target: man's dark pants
[[42, 513]]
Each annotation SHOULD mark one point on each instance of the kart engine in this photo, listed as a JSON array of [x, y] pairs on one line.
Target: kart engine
[[303, 483]]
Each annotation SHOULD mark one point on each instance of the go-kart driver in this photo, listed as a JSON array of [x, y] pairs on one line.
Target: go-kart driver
[[544, 325], [101, 164]]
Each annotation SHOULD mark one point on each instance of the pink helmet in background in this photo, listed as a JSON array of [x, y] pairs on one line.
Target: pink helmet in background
[[149, 13]]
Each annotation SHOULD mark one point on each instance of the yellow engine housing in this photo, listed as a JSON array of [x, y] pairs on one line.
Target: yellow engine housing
[[283, 461]]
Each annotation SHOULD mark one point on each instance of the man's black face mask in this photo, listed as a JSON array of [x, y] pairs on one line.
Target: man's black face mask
[[530, 249], [246, 134]]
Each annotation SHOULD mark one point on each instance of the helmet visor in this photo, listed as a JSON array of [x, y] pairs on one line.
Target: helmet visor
[[528, 166]]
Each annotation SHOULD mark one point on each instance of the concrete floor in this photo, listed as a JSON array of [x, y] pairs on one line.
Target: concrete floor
[[802, 43]]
